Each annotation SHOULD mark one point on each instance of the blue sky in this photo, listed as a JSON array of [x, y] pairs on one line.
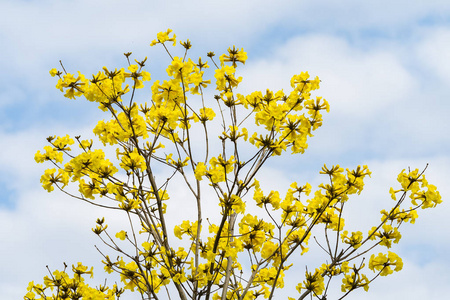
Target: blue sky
[[385, 70]]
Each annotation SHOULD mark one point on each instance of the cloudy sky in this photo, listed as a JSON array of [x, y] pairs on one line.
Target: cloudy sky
[[385, 70]]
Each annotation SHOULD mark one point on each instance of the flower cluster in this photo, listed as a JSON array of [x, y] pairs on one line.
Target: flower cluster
[[61, 286], [246, 252]]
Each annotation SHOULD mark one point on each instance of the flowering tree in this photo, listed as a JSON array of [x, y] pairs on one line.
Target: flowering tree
[[247, 252]]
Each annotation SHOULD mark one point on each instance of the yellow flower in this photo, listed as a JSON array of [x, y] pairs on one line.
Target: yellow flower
[[353, 281], [234, 55], [314, 282], [225, 75], [186, 228], [383, 263], [200, 171], [138, 77], [205, 114], [388, 235], [53, 72], [273, 198], [268, 249], [49, 178], [61, 143], [121, 235], [72, 85], [133, 160], [163, 37], [354, 240], [80, 270], [50, 154]]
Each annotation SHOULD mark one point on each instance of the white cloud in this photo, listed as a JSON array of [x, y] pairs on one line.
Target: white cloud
[[376, 65], [357, 82], [380, 103], [433, 53]]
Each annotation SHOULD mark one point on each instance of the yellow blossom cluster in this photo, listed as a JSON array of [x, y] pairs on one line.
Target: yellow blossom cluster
[[245, 253], [59, 285]]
